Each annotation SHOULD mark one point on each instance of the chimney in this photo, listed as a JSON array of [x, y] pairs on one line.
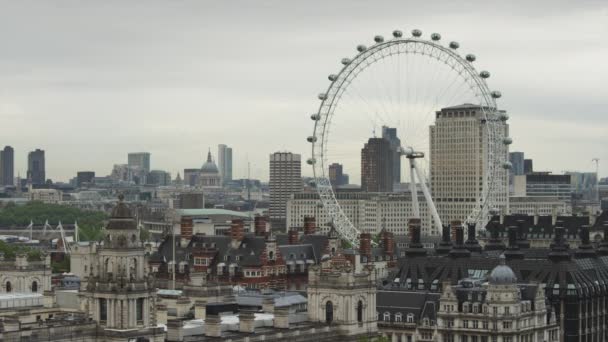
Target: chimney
[[186, 226], [247, 321], [388, 241], [554, 215], [281, 317], [472, 243], [603, 250], [309, 225], [260, 225], [522, 235], [213, 325], [494, 243], [513, 251], [236, 232], [415, 248], [446, 243], [365, 245], [293, 237], [459, 250], [559, 249], [585, 249]]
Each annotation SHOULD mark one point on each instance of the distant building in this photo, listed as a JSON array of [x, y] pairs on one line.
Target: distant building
[[585, 185], [528, 166], [537, 205], [543, 184], [46, 195], [209, 176], [337, 177], [36, 167], [224, 158], [191, 200], [285, 180], [458, 146], [139, 160], [158, 178], [121, 173], [7, 166], [390, 134], [191, 176], [85, 177], [377, 166], [517, 167]]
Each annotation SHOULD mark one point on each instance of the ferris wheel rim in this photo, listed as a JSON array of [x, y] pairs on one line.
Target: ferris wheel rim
[[341, 81]]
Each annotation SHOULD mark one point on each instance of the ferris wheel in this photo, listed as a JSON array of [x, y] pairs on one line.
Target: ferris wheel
[[404, 83]]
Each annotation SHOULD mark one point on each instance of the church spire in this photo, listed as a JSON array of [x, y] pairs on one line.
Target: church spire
[[209, 160]]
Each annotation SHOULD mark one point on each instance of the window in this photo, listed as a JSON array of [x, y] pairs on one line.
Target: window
[[360, 311], [387, 316], [485, 325], [507, 310], [410, 318], [9, 287], [103, 309], [450, 323], [495, 310], [398, 317], [34, 286], [465, 323], [329, 312], [140, 309], [475, 324], [506, 325]]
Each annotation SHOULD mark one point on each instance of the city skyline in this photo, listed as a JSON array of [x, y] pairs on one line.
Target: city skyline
[[76, 95]]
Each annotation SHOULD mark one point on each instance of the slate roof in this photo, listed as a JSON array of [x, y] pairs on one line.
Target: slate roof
[[420, 304]]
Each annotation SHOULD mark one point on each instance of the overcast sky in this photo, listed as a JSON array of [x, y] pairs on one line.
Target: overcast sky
[[90, 81]]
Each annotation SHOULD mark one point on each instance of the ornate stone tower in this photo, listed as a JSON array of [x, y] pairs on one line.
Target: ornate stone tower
[[343, 299], [119, 293]]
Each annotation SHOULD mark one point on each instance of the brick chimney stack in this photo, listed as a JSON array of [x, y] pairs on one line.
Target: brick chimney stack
[[388, 240], [186, 226], [309, 225], [237, 233], [365, 245], [260, 225], [292, 237]]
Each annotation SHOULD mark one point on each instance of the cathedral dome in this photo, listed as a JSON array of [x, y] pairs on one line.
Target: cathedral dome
[[502, 274], [209, 166]]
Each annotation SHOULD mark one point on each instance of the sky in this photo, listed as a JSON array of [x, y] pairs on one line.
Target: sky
[[90, 81]]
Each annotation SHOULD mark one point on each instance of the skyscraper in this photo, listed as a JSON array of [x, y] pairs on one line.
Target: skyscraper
[[7, 166], [458, 148], [390, 134], [36, 167], [517, 167], [285, 180], [377, 166], [224, 158], [139, 160], [337, 176], [528, 166]]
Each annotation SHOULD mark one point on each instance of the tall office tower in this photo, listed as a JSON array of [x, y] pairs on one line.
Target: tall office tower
[[517, 163], [285, 180], [528, 167], [337, 177], [36, 167], [139, 160], [7, 166], [377, 166], [390, 134], [224, 158], [458, 146]]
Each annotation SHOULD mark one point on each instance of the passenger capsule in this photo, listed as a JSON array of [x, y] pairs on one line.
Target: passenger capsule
[[332, 77], [507, 141], [312, 139], [506, 165], [454, 45], [484, 74], [311, 161], [416, 33], [361, 48], [471, 58], [435, 36], [496, 94], [378, 39], [322, 96], [503, 116], [397, 34], [346, 61], [315, 117]]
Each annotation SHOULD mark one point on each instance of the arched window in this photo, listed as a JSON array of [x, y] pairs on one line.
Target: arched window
[[34, 286], [387, 316], [271, 255], [360, 311], [398, 317], [9, 287], [410, 318], [329, 312]]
